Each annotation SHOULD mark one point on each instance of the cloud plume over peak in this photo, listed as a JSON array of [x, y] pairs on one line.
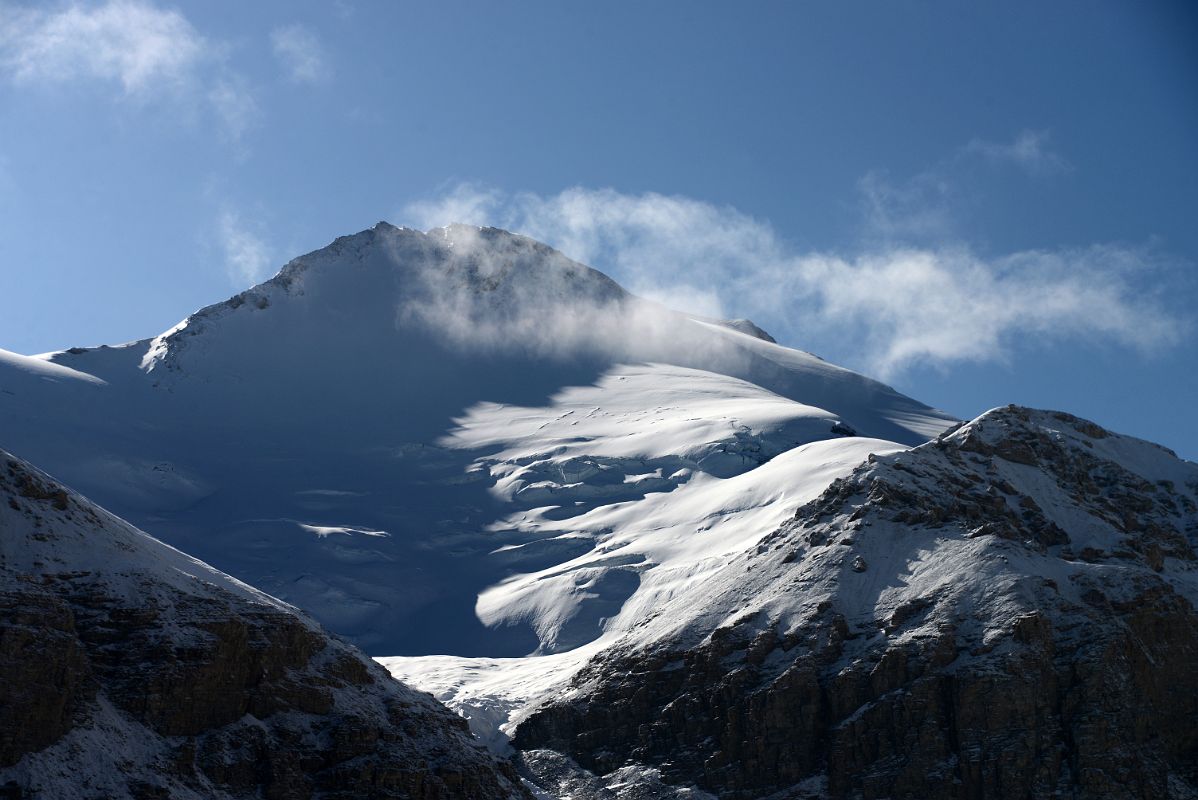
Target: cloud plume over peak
[[887, 309], [247, 256]]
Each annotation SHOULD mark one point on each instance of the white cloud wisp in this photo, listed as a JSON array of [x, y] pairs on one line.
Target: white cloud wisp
[[300, 53], [139, 46], [152, 53], [1029, 150], [888, 309], [247, 256]]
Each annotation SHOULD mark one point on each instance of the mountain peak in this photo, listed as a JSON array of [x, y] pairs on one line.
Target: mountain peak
[[453, 280], [352, 372]]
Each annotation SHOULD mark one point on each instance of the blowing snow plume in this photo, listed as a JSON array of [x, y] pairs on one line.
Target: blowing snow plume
[[890, 307], [496, 292]]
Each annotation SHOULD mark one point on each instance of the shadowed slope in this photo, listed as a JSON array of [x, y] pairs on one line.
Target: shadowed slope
[[128, 669]]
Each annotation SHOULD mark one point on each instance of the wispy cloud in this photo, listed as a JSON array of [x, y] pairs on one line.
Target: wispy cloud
[[234, 105], [497, 293], [887, 308], [133, 43], [1029, 150], [919, 208], [246, 254], [929, 205], [151, 53], [300, 53], [907, 307]]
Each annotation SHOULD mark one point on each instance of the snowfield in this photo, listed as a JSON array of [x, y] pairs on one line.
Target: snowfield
[[477, 459], [647, 551]]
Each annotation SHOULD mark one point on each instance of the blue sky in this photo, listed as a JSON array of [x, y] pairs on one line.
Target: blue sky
[[981, 203]]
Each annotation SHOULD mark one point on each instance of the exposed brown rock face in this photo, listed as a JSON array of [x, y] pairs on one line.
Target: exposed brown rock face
[[44, 666], [129, 670], [1024, 628]]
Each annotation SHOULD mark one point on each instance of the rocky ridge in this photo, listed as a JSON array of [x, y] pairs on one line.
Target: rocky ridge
[[1005, 612], [128, 669]]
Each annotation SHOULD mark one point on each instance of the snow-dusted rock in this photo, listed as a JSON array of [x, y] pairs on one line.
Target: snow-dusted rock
[[1026, 627], [128, 669]]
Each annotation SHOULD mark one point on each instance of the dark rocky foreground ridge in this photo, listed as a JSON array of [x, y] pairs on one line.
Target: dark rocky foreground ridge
[[1005, 612], [128, 669]]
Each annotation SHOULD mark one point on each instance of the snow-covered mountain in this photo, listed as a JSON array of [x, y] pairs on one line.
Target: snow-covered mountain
[[1007, 611], [128, 669], [658, 555], [448, 442]]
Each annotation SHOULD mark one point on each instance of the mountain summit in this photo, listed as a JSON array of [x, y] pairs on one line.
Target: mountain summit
[[400, 422], [645, 554]]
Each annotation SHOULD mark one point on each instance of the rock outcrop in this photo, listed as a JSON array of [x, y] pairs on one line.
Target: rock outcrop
[[1007, 612], [128, 669]]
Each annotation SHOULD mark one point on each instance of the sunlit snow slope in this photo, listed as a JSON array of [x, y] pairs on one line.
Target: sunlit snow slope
[[456, 442]]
